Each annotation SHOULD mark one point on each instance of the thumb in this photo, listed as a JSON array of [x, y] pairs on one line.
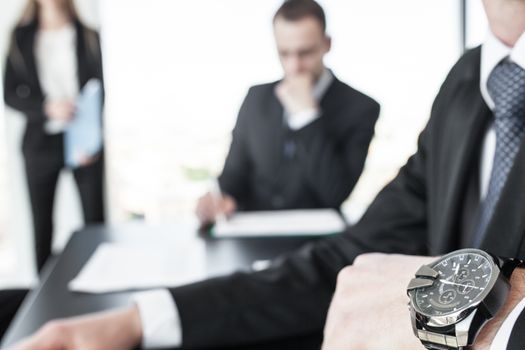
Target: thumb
[[228, 205]]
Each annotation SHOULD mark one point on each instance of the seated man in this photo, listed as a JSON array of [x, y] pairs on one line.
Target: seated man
[[300, 142], [460, 189]]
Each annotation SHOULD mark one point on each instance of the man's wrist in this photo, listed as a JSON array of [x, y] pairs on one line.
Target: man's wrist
[[135, 324], [516, 294], [517, 280]]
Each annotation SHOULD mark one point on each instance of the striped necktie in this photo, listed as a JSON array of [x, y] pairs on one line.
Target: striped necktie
[[506, 86]]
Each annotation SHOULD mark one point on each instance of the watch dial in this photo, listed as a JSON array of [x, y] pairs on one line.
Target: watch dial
[[462, 278]]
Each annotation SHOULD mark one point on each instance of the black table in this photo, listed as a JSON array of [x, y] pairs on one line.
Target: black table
[[52, 299]]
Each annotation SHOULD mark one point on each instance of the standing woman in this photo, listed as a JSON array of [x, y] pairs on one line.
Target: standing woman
[[51, 57]]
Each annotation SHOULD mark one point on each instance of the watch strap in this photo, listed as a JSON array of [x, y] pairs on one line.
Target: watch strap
[[433, 346], [432, 340], [508, 265]]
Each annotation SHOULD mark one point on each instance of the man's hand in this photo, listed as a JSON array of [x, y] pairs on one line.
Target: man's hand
[[209, 207], [114, 330], [369, 310], [60, 110], [296, 93]]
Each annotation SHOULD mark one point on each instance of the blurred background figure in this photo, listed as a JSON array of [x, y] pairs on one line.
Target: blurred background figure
[[175, 74], [52, 56], [300, 142]]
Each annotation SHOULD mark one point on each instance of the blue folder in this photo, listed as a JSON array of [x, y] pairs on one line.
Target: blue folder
[[83, 136]]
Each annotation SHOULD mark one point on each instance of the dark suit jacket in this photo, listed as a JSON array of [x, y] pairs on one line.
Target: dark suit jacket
[[420, 212], [22, 90], [322, 161]]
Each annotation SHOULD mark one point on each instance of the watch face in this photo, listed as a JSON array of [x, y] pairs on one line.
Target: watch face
[[462, 279]]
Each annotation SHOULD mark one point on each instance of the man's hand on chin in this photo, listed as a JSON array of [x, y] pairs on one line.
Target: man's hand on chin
[[113, 330], [296, 93]]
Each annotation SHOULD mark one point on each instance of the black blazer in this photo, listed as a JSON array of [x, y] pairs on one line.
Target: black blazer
[[419, 212], [271, 167], [22, 90]]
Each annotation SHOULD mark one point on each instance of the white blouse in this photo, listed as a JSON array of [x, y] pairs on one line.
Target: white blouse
[[56, 61]]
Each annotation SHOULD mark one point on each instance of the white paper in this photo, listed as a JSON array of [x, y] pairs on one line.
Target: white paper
[[123, 266], [281, 223]]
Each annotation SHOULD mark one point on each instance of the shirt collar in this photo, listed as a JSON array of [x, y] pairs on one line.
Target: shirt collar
[[323, 83], [492, 52]]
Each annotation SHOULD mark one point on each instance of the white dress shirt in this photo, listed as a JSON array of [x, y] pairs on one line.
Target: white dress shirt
[[159, 314], [492, 52], [160, 319], [56, 60]]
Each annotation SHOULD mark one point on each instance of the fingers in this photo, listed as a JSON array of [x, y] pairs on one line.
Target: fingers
[[205, 209], [228, 206], [296, 93], [85, 160], [60, 110], [49, 337], [209, 207], [68, 110]]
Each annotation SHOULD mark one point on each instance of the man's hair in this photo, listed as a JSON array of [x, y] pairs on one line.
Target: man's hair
[[294, 10]]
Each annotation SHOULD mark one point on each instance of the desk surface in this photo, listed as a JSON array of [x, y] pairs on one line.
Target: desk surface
[[52, 299]]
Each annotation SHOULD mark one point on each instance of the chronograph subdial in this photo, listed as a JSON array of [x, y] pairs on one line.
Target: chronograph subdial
[[462, 275], [447, 297]]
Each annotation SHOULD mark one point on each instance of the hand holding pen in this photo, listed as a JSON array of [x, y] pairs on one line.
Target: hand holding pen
[[215, 206]]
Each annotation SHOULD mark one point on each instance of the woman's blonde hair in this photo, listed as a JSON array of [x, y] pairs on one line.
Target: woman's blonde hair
[[30, 15], [31, 11]]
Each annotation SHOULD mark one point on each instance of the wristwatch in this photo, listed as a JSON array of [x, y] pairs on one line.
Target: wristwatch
[[452, 298]]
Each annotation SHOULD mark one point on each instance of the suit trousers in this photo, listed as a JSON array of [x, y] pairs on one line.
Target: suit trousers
[[42, 178]]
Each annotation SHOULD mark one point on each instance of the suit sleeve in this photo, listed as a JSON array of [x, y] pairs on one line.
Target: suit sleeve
[[18, 93], [333, 160], [237, 167], [291, 298], [99, 64]]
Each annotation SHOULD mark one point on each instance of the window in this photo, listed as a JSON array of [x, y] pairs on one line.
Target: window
[[177, 72]]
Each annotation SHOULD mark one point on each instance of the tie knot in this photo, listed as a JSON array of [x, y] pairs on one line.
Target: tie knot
[[506, 86]]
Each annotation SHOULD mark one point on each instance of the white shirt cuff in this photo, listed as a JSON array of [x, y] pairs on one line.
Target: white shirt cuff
[[503, 335], [301, 119], [160, 319]]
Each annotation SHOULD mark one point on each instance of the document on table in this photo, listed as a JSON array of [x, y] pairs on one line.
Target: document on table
[[123, 266], [310, 222]]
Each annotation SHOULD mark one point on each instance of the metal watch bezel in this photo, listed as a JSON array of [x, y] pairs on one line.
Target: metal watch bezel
[[459, 315]]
